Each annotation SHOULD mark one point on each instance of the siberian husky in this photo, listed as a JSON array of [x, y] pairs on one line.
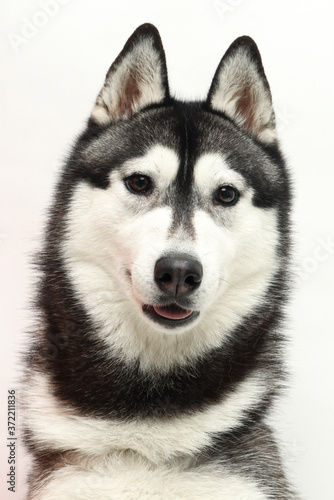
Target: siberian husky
[[157, 353]]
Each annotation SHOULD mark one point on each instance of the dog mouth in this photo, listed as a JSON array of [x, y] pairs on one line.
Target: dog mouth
[[171, 315]]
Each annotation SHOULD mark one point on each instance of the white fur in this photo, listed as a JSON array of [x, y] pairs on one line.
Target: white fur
[[127, 477], [58, 427], [142, 63], [237, 77], [112, 233], [212, 171], [160, 163]]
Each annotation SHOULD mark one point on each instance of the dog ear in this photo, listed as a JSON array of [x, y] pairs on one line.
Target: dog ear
[[138, 78], [241, 91]]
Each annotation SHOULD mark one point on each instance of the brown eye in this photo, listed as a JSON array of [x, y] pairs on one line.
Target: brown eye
[[138, 184], [227, 195]]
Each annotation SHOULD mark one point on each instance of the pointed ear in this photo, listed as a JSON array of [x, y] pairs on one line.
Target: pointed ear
[[138, 78], [240, 90]]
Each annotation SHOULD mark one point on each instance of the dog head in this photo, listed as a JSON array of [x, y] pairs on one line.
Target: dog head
[[175, 212]]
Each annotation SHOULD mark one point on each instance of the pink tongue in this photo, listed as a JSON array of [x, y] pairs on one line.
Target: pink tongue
[[172, 312]]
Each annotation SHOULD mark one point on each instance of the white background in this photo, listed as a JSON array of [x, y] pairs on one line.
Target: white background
[[52, 67]]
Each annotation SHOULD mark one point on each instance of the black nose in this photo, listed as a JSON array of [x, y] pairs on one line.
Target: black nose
[[178, 275]]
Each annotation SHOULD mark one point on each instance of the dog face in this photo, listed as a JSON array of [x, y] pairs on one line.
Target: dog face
[[174, 214]]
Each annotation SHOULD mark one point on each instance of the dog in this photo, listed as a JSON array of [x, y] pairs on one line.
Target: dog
[[157, 352]]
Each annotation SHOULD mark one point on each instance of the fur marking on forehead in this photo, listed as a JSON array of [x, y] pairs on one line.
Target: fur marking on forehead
[[160, 162], [212, 169]]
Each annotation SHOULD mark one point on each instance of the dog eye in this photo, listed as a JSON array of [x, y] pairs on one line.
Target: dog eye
[[138, 184], [227, 195]]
